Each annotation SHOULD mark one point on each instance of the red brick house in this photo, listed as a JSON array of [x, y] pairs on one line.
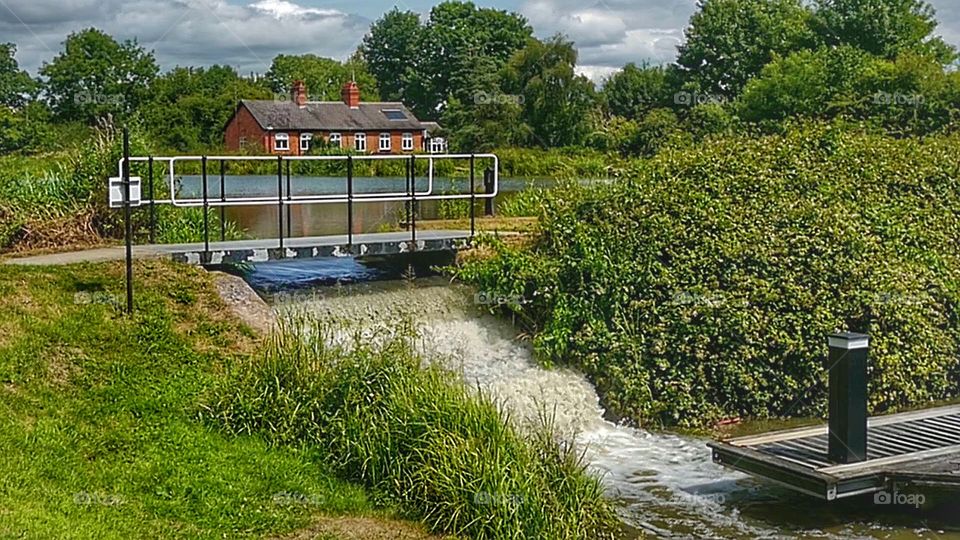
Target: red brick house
[[292, 127]]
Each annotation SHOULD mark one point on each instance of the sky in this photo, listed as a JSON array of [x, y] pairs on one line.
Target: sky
[[247, 34]]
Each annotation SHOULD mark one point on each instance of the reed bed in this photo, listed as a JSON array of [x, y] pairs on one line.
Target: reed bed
[[382, 415]]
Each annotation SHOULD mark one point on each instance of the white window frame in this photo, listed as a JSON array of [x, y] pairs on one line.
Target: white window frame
[[243, 142], [438, 145], [386, 142], [281, 138], [336, 139], [360, 142], [406, 142], [305, 139]]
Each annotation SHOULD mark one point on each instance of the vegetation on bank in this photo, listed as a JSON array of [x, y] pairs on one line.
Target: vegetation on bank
[[100, 436], [704, 284], [382, 415]]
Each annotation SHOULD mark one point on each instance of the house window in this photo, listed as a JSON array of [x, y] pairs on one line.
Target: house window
[[336, 140], [305, 139], [360, 142], [407, 143], [281, 141], [243, 142], [384, 142], [438, 145]]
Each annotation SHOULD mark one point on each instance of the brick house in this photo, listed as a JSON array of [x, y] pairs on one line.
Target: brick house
[[291, 127]]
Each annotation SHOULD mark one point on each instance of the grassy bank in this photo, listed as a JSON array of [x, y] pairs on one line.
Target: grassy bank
[[703, 285], [381, 415], [100, 435]]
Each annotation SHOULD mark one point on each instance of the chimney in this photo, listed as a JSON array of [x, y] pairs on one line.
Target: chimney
[[351, 94], [298, 93]]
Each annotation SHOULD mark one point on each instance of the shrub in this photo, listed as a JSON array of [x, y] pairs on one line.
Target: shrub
[[704, 286]]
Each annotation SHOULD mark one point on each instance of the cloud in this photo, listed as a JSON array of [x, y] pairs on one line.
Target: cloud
[[181, 32]]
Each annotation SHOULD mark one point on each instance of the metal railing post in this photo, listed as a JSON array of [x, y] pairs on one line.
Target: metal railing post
[[413, 202], [473, 198], [350, 203], [223, 199], [489, 208], [280, 199], [127, 222], [153, 205], [289, 206], [206, 208]]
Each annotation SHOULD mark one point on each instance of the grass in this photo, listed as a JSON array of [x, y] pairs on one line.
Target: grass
[[413, 432], [99, 431]]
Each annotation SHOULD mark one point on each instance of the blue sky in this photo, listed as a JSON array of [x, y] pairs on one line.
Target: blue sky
[[247, 34]]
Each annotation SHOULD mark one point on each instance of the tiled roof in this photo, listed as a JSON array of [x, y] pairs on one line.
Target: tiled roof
[[328, 115]]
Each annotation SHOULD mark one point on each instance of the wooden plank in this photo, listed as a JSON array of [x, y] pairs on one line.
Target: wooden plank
[[883, 464]]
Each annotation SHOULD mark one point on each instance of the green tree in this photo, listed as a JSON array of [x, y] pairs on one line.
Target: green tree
[[729, 41], [95, 76], [392, 51], [556, 101], [324, 77], [190, 106], [634, 91], [884, 28], [16, 85]]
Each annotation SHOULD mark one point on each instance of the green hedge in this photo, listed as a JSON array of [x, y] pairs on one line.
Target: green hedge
[[704, 286]]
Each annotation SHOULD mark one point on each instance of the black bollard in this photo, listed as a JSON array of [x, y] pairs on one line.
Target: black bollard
[[848, 397]]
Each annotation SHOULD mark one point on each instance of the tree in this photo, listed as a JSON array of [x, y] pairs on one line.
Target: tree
[[16, 86], [729, 41], [324, 77], [95, 76], [634, 91], [189, 107], [392, 51], [556, 101], [883, 28]]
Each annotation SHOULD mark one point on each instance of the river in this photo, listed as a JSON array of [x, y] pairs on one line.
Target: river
[[664, 484]]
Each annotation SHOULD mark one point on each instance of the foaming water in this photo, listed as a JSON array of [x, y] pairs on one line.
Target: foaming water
[[666, 484]]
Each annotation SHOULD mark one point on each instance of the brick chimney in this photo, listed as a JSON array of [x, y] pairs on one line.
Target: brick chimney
[[298, 93], [350, 94]]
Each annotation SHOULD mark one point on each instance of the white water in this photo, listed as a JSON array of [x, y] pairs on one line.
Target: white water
[[666, 484]]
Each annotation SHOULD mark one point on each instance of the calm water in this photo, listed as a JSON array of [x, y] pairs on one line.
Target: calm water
[[665, 484], [329, 219]]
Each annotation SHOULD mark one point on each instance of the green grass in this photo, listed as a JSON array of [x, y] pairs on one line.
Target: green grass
[[414, 433], [99, 430]]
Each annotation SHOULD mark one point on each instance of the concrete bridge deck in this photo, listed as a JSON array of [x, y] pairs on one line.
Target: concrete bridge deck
[[238, 251]]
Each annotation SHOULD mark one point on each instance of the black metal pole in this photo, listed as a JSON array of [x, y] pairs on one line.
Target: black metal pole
[[289, 206], [153, 206], [473, 198], [350, 203], [488, 209], [206, 208], [413, 202], [223, 200], [127, 222], [848, 397], [280, 199], [406, 204]]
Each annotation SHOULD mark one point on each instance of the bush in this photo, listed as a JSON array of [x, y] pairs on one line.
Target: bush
[[704, 286], [414, 433]]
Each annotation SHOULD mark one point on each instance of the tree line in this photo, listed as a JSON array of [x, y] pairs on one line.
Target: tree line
[[482, 73]]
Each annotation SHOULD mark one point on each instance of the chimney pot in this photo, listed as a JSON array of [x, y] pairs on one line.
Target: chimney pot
[[298, 93]]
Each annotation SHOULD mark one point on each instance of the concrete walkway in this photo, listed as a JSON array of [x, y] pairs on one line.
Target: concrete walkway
[[264, 250]]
